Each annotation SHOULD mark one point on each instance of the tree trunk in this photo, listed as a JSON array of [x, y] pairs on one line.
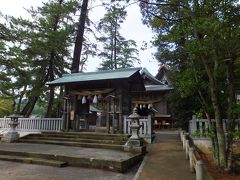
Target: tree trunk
[[219, 123], [31, 107], [112, 54], [20, 98], [51, 88], [115, 44], [51, 69], [219, 128], [50, 101], [79, 38], [220, 143], [27, 110], [211, 129], [231, 102]]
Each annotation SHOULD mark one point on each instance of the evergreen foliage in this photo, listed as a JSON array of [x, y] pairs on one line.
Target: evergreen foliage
[[36, 51], [5, 107], [200, 39], [117, 51]]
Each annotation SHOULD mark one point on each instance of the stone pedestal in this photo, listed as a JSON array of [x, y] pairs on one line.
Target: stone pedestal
[[135, 142], [12, 135]]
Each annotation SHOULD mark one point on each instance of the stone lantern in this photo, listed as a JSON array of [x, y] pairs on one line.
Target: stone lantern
[[12, 135], [134, 141], [134, 124]]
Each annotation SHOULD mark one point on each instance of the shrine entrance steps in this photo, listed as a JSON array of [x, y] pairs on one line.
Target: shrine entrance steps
[[80, 139], [83, 149]]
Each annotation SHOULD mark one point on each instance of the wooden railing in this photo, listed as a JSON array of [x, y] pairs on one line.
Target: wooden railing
[[195, 162], [34, 124], [145, 130]]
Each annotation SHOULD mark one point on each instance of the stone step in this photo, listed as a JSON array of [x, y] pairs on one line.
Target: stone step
[[79, 157], [71, 139], [32, 160], [86, 135], [72, 143]]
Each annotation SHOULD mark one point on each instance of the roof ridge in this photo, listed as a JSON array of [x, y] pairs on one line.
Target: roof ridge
[[103, 71], [95, 76], [144, 70]]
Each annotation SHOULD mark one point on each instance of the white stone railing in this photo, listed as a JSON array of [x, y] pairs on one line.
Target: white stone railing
[[145, 130], [195, 162], [202, 125], [34, 124]]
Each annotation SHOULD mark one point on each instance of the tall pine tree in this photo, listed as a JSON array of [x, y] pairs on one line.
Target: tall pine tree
[[117, 51]]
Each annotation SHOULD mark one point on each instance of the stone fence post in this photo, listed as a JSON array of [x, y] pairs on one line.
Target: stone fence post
[[184, 139], [187, 149], [191, 159], [199, 170], [181, 135]]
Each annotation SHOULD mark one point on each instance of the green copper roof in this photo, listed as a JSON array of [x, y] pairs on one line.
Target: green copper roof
[[95, 76]]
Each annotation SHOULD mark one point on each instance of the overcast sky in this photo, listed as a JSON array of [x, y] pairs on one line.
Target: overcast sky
[[131, 29]]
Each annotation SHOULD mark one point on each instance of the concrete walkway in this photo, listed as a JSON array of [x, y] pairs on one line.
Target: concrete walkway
[[166, 159]]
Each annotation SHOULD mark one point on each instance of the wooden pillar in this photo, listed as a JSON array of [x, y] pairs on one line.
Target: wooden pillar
[[68, 115], [64, 114], [107, 116], [114, 120], [75, 116], [65, 110], [150, 126], [120, 118]]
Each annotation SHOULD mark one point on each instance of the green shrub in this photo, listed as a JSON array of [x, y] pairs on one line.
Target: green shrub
[[197, 133], [5, 107]]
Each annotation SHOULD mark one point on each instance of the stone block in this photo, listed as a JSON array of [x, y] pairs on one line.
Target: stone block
[[10, 137]]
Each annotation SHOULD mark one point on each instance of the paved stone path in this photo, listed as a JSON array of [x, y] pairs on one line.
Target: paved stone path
[[166, 159]]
